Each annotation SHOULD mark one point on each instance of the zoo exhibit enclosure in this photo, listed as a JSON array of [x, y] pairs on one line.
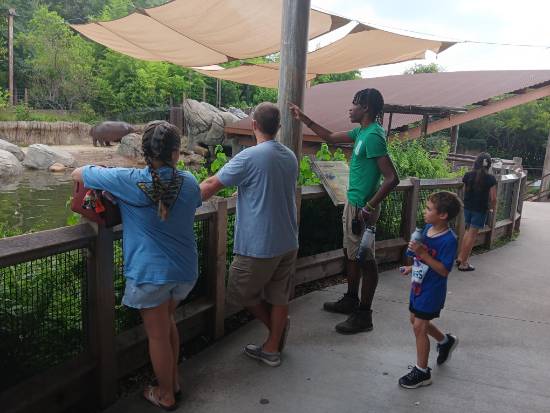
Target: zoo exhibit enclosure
[[66, 338]]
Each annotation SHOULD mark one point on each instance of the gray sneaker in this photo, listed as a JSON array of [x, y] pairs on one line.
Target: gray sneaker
[[256, 352]]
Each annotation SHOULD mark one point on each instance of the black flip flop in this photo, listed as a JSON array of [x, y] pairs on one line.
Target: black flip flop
[[468, 268]]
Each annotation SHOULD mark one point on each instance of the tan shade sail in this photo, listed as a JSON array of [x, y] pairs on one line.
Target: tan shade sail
[[202, 32], [364, 46], [259, 75]]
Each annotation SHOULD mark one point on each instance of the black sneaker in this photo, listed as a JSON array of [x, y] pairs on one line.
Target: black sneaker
[[445, 350], [359, 321], [416, 378], [345, 305]]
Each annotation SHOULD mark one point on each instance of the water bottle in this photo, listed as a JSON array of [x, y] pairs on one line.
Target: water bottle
[[366, 247], [416, 236]]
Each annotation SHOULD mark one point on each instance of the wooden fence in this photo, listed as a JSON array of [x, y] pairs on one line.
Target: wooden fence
[[108, 348]]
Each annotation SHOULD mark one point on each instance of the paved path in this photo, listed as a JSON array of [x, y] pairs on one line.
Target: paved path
[[501, 312]]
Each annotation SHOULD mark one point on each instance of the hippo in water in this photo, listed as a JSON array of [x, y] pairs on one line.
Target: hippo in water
[[110, 131]]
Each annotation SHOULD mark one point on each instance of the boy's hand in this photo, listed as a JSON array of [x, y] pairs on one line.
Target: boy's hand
[[405, 270], [419, 249], [368, 217]]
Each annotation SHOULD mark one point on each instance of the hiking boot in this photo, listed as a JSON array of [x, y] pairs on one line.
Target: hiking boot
[[359, 321], [256, 352], [445, 350], [416, 378], [345, 305]]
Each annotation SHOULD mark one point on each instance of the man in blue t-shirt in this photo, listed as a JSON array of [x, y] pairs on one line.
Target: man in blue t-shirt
[[266, 229], [433, 262]]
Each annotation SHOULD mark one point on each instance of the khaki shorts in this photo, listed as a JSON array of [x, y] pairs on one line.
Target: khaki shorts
[[352, 241], [252, 280]]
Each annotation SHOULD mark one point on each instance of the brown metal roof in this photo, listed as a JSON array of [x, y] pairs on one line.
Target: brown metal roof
[[328, 103]]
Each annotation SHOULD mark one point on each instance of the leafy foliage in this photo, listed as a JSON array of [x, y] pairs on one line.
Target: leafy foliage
[[424, 68]]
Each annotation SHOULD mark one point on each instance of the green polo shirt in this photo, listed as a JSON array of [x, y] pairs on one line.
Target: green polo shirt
[[364, 174]]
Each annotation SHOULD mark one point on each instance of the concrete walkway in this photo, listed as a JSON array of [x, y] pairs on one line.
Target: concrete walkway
[[501, 313]]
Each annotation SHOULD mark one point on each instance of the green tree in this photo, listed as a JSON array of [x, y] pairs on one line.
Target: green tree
[[336, 77], [424, 68], [59, 63]]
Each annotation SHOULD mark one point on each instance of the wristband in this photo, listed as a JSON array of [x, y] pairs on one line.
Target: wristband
[[369, 207]]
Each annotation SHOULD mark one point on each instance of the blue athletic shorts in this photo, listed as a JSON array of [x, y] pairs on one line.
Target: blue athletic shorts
[[474, 219], [152, 295]]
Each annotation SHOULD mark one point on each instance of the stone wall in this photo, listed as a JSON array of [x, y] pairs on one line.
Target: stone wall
[[24, 133]]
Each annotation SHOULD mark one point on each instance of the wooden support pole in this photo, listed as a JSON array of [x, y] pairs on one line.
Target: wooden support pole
[[204, 93], [292, 76], [389, 124], [424, 125], [11, 15], [522, 191], [217, 266], [101, 314], [459, 223], [514, 208], [454, 138]]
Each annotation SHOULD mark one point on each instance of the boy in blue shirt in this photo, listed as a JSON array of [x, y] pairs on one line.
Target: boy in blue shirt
[[433, 260]]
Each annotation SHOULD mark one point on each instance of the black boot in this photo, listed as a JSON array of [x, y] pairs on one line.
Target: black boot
[[359, 321], [345, 305]]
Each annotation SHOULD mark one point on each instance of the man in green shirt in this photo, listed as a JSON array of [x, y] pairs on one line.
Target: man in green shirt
[[369, 161]]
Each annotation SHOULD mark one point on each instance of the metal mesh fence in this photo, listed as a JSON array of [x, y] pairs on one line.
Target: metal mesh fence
[[391, 215], [504, 201], [320, 226], [42, 306], [423, 200], [230, 238], [125, 317]]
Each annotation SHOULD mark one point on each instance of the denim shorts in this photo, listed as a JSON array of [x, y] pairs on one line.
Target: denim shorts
[[152, 295], [474, 219]]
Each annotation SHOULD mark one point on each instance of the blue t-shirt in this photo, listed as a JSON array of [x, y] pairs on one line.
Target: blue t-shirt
[[266, 177], [429, 296], [155, 251]]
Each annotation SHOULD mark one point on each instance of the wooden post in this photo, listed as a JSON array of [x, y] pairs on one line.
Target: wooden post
[[176, 117], [492, 233], [545, 182], [204, 93], [424, 128], [389, 124], [26, 97], [217, 251], [410, 207], [292, 76], [298, 213], [218, 93], [514, 208], [11, 15], [523, 188], [454, 138], [101, 315]]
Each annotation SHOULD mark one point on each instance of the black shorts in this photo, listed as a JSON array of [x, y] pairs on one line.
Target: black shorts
[[423, 316]]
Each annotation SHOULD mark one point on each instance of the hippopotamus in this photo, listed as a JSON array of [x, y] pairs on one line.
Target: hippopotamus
[[110, 131]]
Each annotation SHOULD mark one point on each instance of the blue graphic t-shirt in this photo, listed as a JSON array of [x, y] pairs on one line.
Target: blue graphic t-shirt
[[155, 251], [428, 295]]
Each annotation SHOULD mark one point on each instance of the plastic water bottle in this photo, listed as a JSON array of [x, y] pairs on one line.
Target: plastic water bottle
[[366, 247], [415, 236]]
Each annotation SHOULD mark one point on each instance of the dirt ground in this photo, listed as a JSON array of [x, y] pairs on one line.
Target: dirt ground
[[100, 155]]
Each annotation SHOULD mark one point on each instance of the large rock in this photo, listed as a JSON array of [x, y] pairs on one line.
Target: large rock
[[205, 123], [130, 147], [237, 112], [41, 156], [14, 149], [9, 165]]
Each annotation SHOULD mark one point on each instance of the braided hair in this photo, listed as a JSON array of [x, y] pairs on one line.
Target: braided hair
[[373, 100], [160, 139]]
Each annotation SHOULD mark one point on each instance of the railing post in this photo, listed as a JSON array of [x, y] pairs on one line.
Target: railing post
[[101, 313], [522, 190], [410, 210], [492, 233], [217, 250], [298, 215], [514, 207]]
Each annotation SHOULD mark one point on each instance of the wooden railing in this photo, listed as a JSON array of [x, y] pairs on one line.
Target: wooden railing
[[106, 356]]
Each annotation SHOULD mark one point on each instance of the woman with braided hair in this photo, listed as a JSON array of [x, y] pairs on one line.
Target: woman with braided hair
[[157, 205], [369, 161]]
